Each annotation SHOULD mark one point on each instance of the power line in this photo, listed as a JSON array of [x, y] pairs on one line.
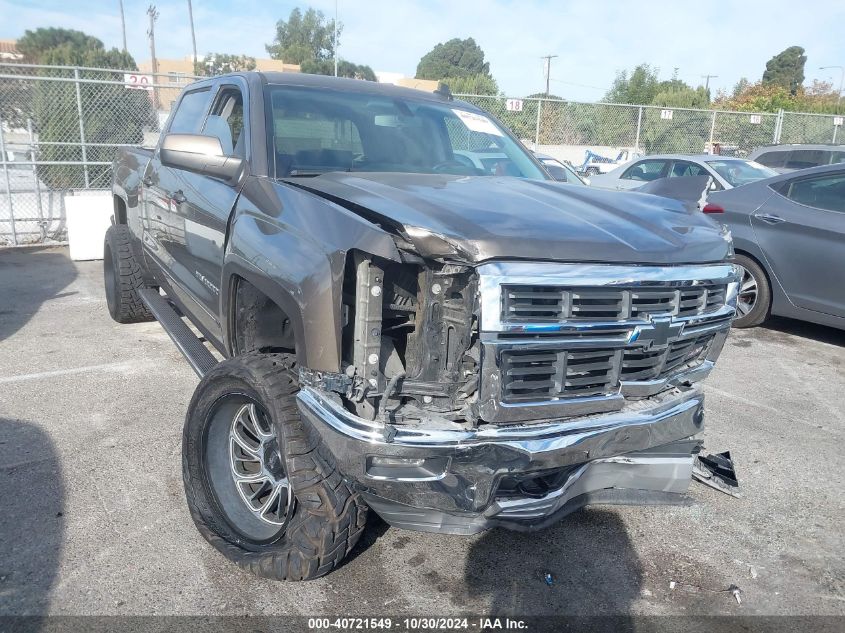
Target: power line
[[707, 79]]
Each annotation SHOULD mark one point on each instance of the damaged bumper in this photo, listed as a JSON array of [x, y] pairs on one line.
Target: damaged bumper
[[517, 476]]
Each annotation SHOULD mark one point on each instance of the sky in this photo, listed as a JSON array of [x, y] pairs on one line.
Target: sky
[[593, 39]]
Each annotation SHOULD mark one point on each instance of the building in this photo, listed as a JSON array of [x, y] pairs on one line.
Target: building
[[179, 72], [9, 51], [398, 79]]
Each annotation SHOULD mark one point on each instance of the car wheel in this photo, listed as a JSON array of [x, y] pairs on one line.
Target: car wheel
[[123, 278], [261, 487], [754, 297]]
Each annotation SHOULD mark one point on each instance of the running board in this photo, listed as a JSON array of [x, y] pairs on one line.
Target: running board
[[197, 354]]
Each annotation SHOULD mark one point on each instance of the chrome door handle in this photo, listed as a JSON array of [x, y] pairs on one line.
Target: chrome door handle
[[768, 218]]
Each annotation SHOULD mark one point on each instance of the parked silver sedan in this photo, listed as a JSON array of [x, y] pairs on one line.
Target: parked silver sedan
[[789, 237], [727, 172]]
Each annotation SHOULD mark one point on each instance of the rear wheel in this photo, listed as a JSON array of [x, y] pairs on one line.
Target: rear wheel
[[260, 485], [755, 296], [123, 278]]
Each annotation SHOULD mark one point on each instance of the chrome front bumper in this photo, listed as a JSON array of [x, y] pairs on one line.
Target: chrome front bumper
[[450, 480]]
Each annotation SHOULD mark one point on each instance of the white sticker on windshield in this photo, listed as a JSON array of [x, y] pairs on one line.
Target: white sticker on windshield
[[477, 122]]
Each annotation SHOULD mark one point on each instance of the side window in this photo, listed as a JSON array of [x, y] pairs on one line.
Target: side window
[[822, 192], [804, 158], [680, 169], [189, 113], [226, 122], [772, 159], [646, 170]]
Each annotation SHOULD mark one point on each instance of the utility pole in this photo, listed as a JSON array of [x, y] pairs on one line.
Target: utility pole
[[707, 79], [151, 11], [193, 36], [841, 82], [123, 25], [548, 59], [335, 38]]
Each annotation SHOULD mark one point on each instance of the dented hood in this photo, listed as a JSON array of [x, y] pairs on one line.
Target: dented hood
[[515, 218]]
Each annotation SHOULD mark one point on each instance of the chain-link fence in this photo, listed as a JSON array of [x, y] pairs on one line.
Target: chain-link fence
[[60, 128]]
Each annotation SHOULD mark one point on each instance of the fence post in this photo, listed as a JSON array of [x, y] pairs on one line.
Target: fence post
[[778, 127], [33, 158], [537, 127], [712, 129], [835, 129], [639, 127], [8, 183], [81, 127]]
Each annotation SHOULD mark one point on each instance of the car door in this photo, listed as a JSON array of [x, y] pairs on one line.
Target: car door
[[641, 172], [801, 231]]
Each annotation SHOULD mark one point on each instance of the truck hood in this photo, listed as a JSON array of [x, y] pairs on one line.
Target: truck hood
[[514, 218]]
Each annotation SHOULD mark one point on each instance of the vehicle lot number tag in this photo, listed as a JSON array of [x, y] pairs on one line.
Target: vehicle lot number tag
[[477, 122]]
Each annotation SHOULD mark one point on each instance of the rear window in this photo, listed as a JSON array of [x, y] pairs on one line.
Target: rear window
[[772, 159], [740, 172], [805, 158]]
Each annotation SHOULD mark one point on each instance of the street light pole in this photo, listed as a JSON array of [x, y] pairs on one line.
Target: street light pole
[[841, 82], [123, 25], [193, 36]]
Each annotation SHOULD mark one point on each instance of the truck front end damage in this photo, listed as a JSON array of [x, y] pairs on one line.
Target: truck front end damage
[[512, 393]]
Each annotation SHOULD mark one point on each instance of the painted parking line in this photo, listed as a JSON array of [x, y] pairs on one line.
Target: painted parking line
[[122, 367]]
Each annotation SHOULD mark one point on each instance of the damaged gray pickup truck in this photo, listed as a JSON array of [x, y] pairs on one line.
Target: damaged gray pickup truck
[[416, 320]]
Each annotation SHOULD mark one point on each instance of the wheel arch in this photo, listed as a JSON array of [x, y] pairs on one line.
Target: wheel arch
[[260, 315]]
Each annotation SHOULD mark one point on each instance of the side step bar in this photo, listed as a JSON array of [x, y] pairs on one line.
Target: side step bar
[[197, 354]]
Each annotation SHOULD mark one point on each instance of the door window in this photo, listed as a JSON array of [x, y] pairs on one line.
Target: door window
[[646, 170], [822, 192], [226, 121], [683, 168], [188, 118]]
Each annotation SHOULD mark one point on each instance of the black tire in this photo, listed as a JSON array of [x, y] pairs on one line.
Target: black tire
[[123, 277], [325, 518], [759, 312]]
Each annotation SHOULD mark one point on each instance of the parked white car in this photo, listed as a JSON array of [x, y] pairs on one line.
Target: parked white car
[[726, 172]]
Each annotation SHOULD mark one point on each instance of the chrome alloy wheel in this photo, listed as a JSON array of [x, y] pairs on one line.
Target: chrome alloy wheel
[[748, 291], [257, 466]]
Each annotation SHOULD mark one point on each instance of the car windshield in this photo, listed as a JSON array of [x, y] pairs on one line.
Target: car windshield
[[320, 130], [740, 172]]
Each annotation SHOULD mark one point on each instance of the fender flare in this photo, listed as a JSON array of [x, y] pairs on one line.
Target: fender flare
[[278, 295]]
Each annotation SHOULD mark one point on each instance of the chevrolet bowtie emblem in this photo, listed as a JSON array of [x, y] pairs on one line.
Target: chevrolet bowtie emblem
[[658, 334]]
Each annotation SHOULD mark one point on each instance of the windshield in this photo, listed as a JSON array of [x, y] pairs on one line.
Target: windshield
[[740, 172], [318, 130]]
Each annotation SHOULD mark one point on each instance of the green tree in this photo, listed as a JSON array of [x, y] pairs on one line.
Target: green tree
[[221, 63], [472, 85], [304, 36], [344, 69], [639, 87], [786, 69], [455, 58], [34, 45], [110, 113]]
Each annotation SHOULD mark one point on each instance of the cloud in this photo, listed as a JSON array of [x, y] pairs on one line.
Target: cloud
[[593, 40]]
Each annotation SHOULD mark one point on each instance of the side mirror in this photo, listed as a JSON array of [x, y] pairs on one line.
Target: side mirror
[[202, 155]]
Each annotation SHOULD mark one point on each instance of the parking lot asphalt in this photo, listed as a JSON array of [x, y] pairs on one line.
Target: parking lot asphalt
[[93, 519]]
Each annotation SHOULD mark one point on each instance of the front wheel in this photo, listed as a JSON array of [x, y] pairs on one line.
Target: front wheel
[[261, 488], [754, 299]]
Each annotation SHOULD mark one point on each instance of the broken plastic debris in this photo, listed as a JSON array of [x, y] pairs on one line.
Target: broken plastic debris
[[549, 579], [717, 471], [672, 584], [735, 591]]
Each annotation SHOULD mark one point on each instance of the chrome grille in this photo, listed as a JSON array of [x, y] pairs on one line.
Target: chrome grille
[[568, 339], [556, 303], [545, 374]]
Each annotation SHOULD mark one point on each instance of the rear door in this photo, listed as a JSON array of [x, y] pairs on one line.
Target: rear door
[[801, 232]]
